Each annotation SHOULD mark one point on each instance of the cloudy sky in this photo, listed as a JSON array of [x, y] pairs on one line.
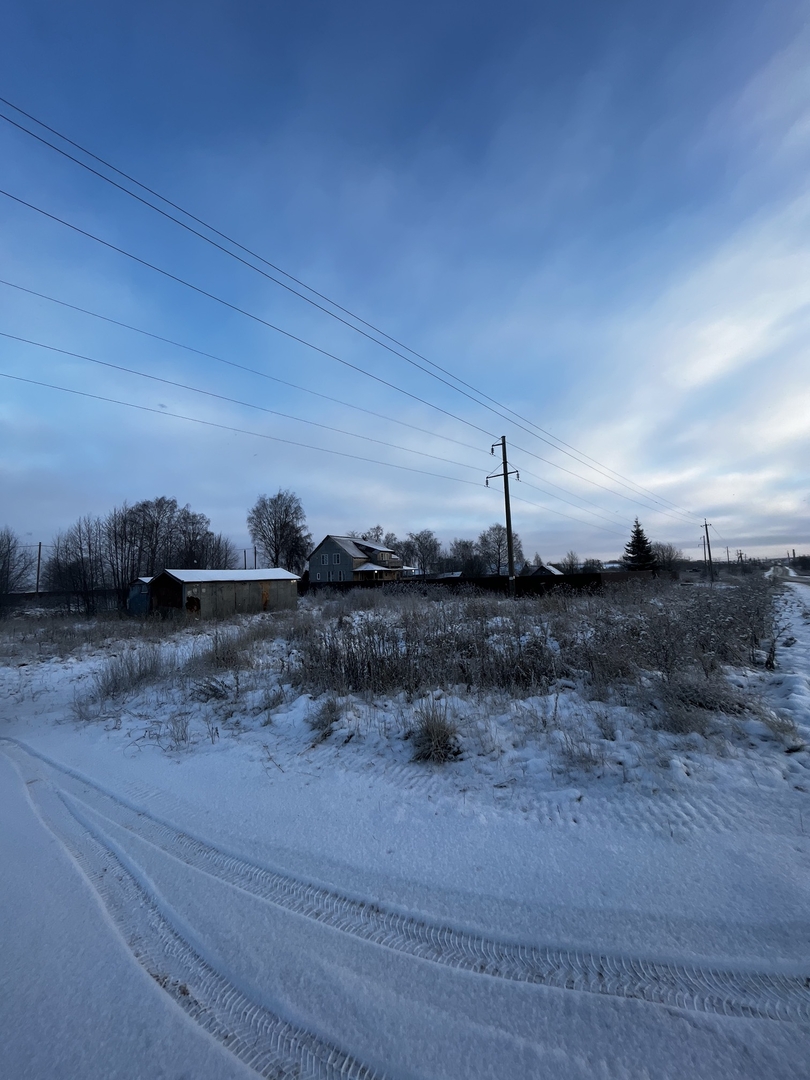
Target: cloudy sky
[[595, 215]]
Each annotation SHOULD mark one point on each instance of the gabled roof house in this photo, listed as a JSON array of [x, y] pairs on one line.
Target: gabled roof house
[[350, 558]]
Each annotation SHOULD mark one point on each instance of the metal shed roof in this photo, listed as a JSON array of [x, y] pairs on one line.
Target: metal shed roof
[[191, 577]]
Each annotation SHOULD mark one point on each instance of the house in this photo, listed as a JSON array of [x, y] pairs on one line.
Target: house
[[220, 593], [350, 558], [540, 570]]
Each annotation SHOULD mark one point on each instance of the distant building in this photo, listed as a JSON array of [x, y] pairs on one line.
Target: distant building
[[540, 570], [349, 558], [219, 593]]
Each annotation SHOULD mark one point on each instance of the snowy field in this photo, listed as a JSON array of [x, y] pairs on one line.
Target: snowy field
[[220, 858]]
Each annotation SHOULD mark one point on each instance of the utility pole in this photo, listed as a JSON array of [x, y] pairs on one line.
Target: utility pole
[[505, 472], [39, 563], [709, 547], [244, 552], [254, 556], [728, 557]]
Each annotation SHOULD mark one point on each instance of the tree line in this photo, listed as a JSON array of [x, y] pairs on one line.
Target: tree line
[[98, 556], [103, 555]]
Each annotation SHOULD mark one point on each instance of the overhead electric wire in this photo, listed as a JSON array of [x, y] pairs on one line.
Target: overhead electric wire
[[279, 439], [233, 401], [241, 311], [244, 367], [272, 412], [722, 538], [558, 444], [256, 371], [294, 337], [582, 508], [284, 382]]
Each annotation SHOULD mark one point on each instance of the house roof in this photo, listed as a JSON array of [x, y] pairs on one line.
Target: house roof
[[371, 566], [354, 546], [541, 570], [191, 577]]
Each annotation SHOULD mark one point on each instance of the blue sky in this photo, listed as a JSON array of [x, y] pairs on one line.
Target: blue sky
[[597, 214]]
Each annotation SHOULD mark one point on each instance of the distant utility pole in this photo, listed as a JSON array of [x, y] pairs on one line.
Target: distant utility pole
[[728, 557], [39, 563], [709, 549], [254, 556], [505, 471]]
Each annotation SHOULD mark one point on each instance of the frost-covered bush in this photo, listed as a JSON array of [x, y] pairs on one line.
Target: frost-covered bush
[[434, 735], [433, 645]]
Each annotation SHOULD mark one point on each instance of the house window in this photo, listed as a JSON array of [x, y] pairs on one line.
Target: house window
[[330, 575], [341, 576], [336, 557], [317, 577], [324, 560]]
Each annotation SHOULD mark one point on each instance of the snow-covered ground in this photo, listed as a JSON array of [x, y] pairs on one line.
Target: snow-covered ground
[[265, 901]]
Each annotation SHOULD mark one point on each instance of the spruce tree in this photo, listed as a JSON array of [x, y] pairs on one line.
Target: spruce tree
[[638, 552]]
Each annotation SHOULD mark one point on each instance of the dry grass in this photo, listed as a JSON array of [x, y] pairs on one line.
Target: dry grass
[[435, 737]]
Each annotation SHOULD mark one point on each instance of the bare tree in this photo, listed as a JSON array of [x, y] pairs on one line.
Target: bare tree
[[570, 564], [591, 566], [465, 556], [667, 556], [16, 566], [77, 565], [374, 535], [278, 526], [492, 547], [425, 548]]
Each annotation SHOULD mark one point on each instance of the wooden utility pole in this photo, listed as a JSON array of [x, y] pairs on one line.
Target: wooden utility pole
[[504, 471], [39, 563], [709, 549]]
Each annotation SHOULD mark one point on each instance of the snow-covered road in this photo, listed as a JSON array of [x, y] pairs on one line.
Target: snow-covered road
[[204, 916]]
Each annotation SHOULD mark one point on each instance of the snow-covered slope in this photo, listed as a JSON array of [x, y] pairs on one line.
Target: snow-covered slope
[[310, 907]]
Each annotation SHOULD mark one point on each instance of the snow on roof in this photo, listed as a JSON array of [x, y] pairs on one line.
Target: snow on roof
[[190, 577], [369, 544], [353, 545], [370, 566]]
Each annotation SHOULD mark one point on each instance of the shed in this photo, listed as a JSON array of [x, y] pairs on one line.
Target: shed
[[138, 598], [219, 593]]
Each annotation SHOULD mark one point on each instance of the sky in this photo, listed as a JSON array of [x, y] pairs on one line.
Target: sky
[[596, 216]]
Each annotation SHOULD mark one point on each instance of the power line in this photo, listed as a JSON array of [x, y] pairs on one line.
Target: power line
[[294, 337], [284, 382], [231, 400], [272, 412], [241, 311], [553, 496], [557, 444], [279, 439], [243, 367]]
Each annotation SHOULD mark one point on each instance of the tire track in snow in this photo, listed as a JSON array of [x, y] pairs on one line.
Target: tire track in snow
[[685, 986], [268, 1044]]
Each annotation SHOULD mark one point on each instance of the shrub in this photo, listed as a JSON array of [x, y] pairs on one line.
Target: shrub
[[323, 719], [434, 736]]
